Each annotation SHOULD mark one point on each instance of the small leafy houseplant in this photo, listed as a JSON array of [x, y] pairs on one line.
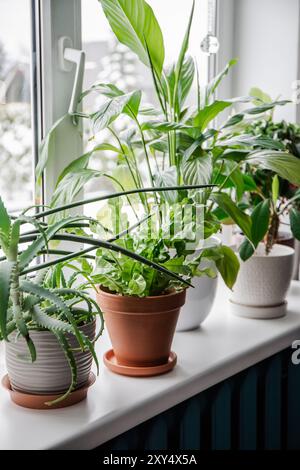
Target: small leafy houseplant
[[49, 318], [272, 195], [279, 195]]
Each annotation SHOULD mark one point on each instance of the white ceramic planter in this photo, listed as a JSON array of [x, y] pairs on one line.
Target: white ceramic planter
[[50, 373], [199, 302], [200, 299], [262, 283]]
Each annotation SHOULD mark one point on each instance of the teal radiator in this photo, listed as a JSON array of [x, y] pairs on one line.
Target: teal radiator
[[257, 409]]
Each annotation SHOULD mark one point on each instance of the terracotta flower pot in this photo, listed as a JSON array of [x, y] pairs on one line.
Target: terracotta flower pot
[[141, 329]]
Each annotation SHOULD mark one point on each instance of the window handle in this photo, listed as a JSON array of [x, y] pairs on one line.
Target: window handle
[[67, 57]]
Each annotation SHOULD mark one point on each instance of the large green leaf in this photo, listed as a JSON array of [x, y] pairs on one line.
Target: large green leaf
[[75, 165], [285, 165], [167, 178], [112, 91], [295, 223], [186, 79], [112, 108], [197, 169], [246, 250], [228, 265], [135, 25], [252, 141], [208, 113], [260, 221], [6, 271], [70, 186], [225, 203]]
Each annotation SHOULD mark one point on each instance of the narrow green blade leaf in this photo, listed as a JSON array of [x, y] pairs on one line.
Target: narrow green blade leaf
[[39, 244], [6, 271], [5, 224], [47, 149], [260, 221]]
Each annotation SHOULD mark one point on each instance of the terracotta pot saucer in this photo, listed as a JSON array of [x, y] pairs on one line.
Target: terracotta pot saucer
[[111, 363], [38, 402]]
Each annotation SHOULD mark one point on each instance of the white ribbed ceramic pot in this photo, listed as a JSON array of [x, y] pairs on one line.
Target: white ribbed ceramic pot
[[50, 373], [263, 282], [199, 301]]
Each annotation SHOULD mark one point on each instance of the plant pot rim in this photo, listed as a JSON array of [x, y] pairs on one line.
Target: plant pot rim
[[278, 251], [103, 291]]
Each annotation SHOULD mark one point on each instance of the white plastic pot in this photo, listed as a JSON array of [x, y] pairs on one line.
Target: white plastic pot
[[262, 283], [50, 373], [199, 302]]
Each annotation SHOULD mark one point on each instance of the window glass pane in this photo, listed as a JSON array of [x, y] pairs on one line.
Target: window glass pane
[[107, 61], [16, 155]]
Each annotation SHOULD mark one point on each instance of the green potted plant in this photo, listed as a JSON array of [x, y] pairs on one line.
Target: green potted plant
[[177, 145], [272, 194], [48, 321]]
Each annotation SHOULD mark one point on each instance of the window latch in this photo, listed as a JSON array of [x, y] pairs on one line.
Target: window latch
[[67, 57]]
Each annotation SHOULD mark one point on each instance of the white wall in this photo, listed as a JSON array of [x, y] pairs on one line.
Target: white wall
[[264, 35]]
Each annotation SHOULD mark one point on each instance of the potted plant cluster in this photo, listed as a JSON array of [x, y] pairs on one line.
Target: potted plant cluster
[[48, 321], [169, 158], [177, 145]]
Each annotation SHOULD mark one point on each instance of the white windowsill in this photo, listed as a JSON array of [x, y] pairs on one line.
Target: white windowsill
[[224, 346]]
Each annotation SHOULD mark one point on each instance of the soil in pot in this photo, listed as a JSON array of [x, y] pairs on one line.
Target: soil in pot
[[141, 329], [50, 374]]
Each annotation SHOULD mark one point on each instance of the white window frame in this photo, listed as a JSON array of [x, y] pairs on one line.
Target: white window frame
[[53, 20]]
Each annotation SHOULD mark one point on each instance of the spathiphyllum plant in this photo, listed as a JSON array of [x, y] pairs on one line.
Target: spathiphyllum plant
[[170, 143]]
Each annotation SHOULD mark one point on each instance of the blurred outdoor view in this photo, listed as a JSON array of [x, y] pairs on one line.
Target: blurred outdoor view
[[16, 158], [107, 61]]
